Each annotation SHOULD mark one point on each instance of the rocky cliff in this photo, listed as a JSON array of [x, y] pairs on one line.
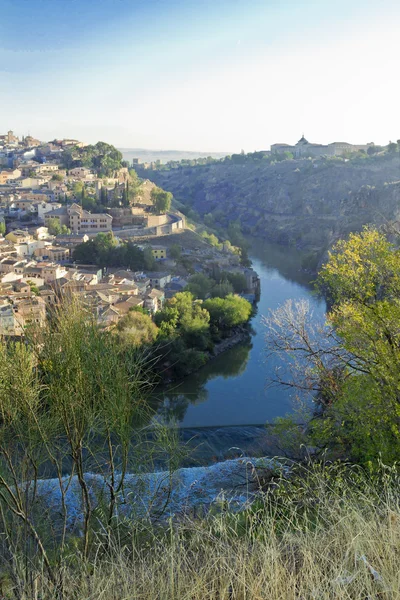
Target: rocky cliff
[[308, 203]]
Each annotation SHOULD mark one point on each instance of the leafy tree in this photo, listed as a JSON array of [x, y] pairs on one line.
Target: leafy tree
[[65, 230], [175, 251], [183, 315], [103, 158], [54, 226], [34, 288], [392, 147], [352, 363], [200, 285], [221, 290], [149, 262], [57, 177], [228, 312], [374, 149], [161, 200], [363, 269], [88, 203], [136, 328], [103, 196], [237, 280], [2, 227]]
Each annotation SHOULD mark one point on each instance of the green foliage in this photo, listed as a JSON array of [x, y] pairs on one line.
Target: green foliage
[[161, 200], [34, 288], [237, 280], [102, 158], [175, 251], [200, 285], [355, 362], [221, 290], [89, 203], [149, 262], [57, 177], [211, 239], [104, 252], [363, 269], [77, 189], [187, 318], [136, 328], [374, 150], [229, 312], [2, 227], [53, 226]]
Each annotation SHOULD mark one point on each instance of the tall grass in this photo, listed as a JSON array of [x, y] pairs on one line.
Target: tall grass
[[330, 532]]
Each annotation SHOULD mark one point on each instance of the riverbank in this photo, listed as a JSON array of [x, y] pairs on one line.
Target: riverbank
[[231, 390], [238, 335]]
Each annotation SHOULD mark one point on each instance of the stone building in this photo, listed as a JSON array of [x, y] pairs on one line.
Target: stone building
[[303, 148]]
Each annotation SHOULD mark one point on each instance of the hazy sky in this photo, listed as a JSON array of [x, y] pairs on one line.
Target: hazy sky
[[201, 74]]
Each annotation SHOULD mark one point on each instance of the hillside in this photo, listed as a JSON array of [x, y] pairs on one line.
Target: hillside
[[307, 203]]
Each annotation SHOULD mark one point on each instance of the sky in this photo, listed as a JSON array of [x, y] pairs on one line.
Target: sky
[[201, 75]]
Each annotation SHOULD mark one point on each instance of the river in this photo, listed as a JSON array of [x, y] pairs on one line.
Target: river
[[230, 395]]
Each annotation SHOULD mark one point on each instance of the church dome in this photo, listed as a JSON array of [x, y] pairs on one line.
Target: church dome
[[303, 140]]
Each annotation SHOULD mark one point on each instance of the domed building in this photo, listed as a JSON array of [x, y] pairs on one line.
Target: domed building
[[303, 148]]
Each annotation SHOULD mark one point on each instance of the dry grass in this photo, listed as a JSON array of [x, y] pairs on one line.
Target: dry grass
[[329, 540]]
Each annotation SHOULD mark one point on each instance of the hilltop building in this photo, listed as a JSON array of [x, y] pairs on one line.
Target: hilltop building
[[79, 220], [305, 148]]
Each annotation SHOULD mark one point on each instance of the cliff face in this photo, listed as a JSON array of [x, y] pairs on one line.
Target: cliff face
[[298, 202]]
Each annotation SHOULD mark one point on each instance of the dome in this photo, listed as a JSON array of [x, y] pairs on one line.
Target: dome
[[303, 140]]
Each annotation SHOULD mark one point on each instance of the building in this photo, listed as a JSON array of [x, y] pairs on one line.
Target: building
[[303, 148], [159, 252], [18, 236], [9, 138], [45, 207], [72, 240], [79, 173], [159, 280], [79, 220], [154, 300]]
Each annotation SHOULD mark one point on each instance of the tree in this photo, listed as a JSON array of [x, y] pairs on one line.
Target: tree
[[136, 328], [228, 312], [221, 290], [102, 158], [161, 200], [88, 202], [184, 316], [237, 280], [103, 196], [200, 285], [149, 262], [374, 149], [351, 365], [2, 227], [65, 230], [34, 288], [392, 147], [124, 199], [57, 177], [175, 251], [54, 226]]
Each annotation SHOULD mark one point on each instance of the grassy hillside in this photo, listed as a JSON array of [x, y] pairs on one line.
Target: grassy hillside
[[308, 203]]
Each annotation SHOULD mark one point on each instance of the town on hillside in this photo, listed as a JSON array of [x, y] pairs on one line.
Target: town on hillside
[[59, 201]]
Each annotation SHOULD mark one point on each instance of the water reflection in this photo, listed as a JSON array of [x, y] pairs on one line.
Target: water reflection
[[232, 389], [174, 401]]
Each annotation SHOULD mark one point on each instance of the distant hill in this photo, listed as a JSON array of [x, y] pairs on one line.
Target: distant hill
[[165, 156], [305, 203]]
